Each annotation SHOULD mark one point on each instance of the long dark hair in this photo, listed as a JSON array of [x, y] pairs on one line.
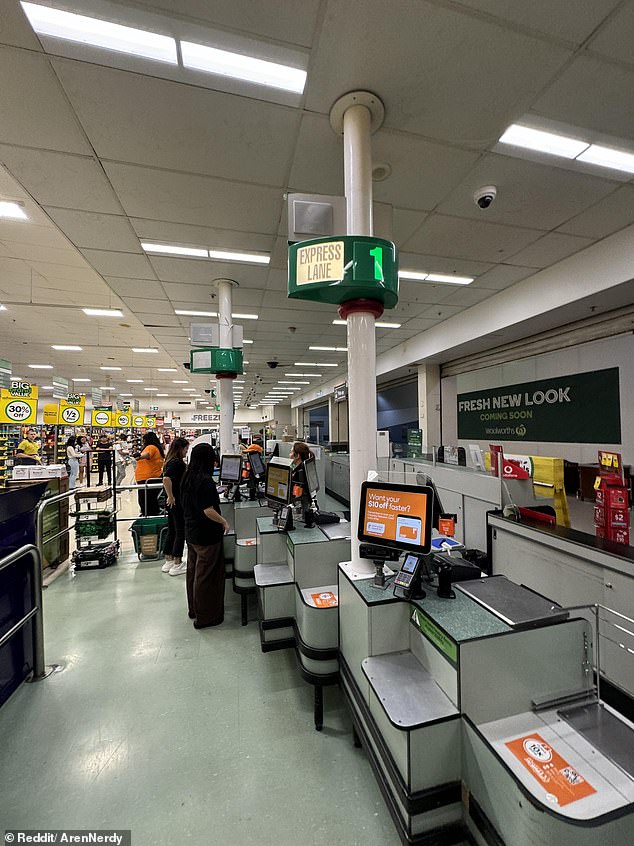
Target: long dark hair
[[174, 453], [202, 460], [151, 439], [71, 441]]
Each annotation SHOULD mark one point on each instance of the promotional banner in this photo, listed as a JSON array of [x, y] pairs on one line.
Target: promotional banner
[[18, 403], [71, 410], [101, 417], [122, 419], [51, 414], [582, 408], [138, 421]]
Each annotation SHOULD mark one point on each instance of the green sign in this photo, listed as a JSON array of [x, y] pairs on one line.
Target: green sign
[[414, 443], [215, 360], [440, 640], [584, 408], [339, 269]]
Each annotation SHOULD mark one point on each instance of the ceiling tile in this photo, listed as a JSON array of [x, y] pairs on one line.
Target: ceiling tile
[[574, 20], [143, 288], [468, 296], [550, 249], [162, 195], [147, 306], [15, 28], [52, 255], [203, 271], [55, 179], [99, 231], [112, 263], [591, 94], [529, 194], [467, 101], [203, 236], [470, 239], [48, 122], [502, 276], [195, 129], [605, 217], [26, 232], [406, 222], [614, 39], [439, 264]]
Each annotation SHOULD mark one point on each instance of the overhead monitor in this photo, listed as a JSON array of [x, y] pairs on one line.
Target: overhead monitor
[[278, 481], [312, 477], [256, 464], [396, 516], [231, 468]]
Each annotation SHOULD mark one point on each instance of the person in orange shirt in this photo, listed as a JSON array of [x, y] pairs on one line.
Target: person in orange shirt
[[149, 467]]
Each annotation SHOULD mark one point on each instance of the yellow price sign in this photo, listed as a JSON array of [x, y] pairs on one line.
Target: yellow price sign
[[18, 410], [71, 413], [20, 390], [101, 417], [51, 414], [122, 419], [138, 421]]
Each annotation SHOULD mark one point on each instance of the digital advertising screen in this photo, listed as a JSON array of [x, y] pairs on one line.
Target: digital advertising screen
[[230, 468], [397, 516]]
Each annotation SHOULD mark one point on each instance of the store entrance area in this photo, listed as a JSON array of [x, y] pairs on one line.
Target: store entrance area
[[179, 735]]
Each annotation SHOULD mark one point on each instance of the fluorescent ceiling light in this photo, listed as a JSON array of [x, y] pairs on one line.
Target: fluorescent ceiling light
[[150, 389], [188, 313], [99, 33], [379, 324], [544, 142], [447, 278], [66, 348], [195, 252], [290, 382], [12, 210], [162, 395], [302, 374], [607, 157], [81, 379], [47, 387], [244, 341], [103, 312], [111, 368], [238, 381], [126, 395], [247, 258], [245, 316], [314, 364], [135, 381], [41, 366], [180, 381], [106, 388], [239, 66], [167, 369], [144, 349], [330, 349], [450, 279], [3, 308]]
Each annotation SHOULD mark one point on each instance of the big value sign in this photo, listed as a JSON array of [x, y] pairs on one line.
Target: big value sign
[[581, 408], [18, 404]]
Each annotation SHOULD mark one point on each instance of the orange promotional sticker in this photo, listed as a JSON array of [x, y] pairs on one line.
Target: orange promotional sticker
[[561, 781], [327, 599]]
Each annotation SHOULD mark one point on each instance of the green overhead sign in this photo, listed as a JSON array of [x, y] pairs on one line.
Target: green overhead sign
[[583, 408], [215, 360], [339, 269]]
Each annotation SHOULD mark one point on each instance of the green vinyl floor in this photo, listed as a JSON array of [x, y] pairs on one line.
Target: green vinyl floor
[[179, 735]]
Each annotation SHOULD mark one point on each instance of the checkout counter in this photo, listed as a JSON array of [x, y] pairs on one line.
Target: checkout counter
[[480, 717]]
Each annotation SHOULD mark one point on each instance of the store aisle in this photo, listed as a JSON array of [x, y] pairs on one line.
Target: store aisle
[[178, 735]]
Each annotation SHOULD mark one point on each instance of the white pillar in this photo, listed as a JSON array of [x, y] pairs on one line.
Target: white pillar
[[361, 331], [225, 385], [429, 405]]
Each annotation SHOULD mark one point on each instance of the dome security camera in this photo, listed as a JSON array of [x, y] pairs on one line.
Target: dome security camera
[[272, 364], [483, 197]]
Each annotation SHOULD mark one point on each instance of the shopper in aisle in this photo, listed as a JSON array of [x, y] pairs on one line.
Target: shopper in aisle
[[72, 456], [205, 528], [121, 457], [149, 467], [104, 457], [28, 450], [173, 473], [298, 455], [83, 447]]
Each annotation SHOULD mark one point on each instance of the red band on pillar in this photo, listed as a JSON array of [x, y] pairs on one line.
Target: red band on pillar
[[226, 375], [373, 307]]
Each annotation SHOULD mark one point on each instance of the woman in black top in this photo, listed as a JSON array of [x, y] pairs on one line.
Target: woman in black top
[[173, 472], [104, 457], [205, 528]]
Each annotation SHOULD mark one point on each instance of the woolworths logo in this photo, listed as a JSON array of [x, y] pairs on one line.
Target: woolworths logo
[[580, 408]]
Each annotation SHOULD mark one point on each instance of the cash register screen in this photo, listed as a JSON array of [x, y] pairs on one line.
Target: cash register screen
[[278, 481], [396, 516], [257, 465], [230, 468]]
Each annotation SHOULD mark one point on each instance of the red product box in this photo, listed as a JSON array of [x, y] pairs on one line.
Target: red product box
[[599, 515], [600, 496], [616, 517], [619, 535], [600, 532], [617, 497]]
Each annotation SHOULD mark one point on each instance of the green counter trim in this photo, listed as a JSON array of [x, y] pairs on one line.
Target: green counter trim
[[443, 643]]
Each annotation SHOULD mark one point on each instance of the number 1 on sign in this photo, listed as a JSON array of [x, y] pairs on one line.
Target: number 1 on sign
[[377, 255]]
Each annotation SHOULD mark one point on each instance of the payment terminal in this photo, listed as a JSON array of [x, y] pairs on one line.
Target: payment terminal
[[409, 577]]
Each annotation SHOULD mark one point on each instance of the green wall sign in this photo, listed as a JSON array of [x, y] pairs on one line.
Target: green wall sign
[[215, 360], [584, 408], [339, 269]]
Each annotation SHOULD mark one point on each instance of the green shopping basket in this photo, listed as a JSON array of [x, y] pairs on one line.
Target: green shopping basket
[[149, 536]]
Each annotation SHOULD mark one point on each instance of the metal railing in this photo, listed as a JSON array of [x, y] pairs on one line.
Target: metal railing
[[40, 670], [617, 639]]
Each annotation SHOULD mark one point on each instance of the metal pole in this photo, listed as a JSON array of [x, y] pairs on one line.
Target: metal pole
[[225, 390], [361, 331]]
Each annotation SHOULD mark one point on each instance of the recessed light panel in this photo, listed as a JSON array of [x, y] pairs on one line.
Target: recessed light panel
[[103, 312], [13, 211], [543, 142], [607, 157]]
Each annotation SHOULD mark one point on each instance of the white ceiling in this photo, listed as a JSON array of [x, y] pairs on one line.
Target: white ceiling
[[105, 151]]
